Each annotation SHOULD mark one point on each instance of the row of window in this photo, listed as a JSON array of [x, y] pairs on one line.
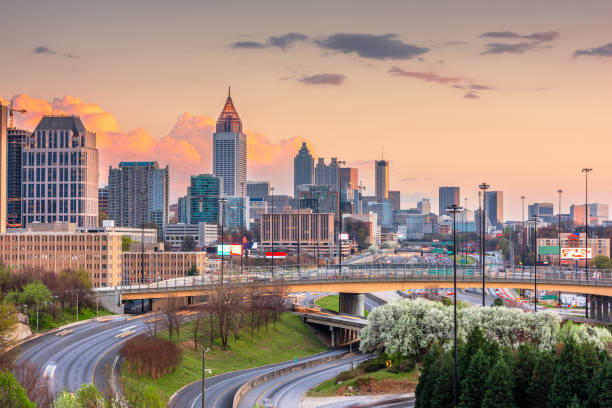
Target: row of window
[[55, 139], [50, 158], [38, 174], [39, 191]]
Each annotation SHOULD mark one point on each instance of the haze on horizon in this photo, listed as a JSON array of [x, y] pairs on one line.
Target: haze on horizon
[[514, 93]]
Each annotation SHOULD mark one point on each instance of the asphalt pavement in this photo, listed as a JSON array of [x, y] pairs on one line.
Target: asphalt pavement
[[220, 389], [81, 354], [288, 390]]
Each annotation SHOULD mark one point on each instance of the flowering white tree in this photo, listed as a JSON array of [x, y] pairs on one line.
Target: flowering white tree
[[409, 327]]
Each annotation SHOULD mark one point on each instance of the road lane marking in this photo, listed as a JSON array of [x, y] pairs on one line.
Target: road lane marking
[[125, 334], [64, 332], [93, 372], [49, 370]]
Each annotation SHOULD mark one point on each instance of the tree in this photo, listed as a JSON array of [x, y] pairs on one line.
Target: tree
[[498, 302], [498, 386], [523, 369], [193, 271], [8, 319], [6, 279], [602, 262], [28, 375], [12, 395], [539, 382], [425, 388], [474, 381], [33, 295], [171, 316], [125, 243], [570, 376], [189, 243], [604, 391]]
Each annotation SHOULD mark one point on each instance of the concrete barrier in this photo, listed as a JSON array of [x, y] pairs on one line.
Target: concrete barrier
[[249, 385]]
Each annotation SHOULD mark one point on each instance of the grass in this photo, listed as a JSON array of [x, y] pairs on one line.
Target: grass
[[46, 321], [330, 388], [332, 302], [291, 338]]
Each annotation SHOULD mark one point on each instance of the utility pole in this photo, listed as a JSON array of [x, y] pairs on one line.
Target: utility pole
[[339, 214], [559, 230], [272, 229], [586, 172], [142, 193], [484, 187], [535, 264], [204, 350], [523, 229], [454, 209], [222, 201]]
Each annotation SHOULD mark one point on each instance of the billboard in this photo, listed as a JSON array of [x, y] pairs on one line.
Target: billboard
[[576, 253], [225, 249], [344, 237], [277, 255]]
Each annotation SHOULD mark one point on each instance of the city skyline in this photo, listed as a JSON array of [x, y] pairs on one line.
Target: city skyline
[[540, 72]]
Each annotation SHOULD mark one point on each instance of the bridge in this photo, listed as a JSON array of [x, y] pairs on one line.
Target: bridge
[[355, 279]]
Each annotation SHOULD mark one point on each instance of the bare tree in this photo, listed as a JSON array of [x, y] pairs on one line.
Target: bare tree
[[172, 316], [30, 376], [154, 324], [278, 299]]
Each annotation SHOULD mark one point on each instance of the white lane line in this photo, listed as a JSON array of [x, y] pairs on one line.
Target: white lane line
[[49, 369]]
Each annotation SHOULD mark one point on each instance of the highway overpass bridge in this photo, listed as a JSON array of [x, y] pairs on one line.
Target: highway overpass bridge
[[353, 280]]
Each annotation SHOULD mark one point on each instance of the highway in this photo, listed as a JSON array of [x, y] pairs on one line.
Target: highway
[[287, 390], [220, 389], [82, 353]]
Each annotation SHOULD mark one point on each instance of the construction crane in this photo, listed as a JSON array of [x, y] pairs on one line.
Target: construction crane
[[11, 111]]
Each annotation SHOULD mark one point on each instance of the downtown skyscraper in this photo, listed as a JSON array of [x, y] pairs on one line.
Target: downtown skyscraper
[[447, 196], [303, 168], [381, 170], [230, 151], [60, 173], [138, 194]]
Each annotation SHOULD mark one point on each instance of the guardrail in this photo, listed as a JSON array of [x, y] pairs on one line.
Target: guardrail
[[379, 273]]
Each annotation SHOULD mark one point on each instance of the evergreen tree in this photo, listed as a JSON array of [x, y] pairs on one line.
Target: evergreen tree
[[570, 376], [12, 394], [427, 381], [539, 382], [472, 385], [523, 368], [443, 389], [575, 403], [601, 389], [498, 386], [474, 342]]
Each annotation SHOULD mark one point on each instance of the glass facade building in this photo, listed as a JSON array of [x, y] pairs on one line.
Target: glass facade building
[[203, 197]]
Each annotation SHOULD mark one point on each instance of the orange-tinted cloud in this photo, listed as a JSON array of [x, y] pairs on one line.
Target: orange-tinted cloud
[[186, 149]]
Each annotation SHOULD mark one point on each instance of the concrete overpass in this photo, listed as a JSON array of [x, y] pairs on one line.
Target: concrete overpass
[[352, 280]]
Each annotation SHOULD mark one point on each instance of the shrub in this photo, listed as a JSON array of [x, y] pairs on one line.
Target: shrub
[[152, 357]]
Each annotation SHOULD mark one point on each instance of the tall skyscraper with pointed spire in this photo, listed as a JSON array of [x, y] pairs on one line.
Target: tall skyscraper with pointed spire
[[229, 151], [303, 168]]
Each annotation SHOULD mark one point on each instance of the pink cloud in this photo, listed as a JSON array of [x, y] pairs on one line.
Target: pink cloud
[[187, 148]]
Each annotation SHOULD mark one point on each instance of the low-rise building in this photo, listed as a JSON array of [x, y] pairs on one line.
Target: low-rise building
[[134, 234], [204, 234], [548, 248], [160, 265], [315, 231]]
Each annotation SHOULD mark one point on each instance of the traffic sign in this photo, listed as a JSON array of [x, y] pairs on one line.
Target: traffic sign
[[388, 363]]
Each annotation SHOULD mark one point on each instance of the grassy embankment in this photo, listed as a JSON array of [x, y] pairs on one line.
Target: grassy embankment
[[291, 338], [68, 315], [332, 302], [358, 382]]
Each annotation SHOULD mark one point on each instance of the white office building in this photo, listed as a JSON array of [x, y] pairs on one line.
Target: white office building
[[205, 234]]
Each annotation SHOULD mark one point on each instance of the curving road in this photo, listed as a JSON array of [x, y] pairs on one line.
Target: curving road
[[81, 353], [288, 390], [220, 389]]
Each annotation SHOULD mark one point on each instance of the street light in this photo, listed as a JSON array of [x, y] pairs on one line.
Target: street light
[[523, 228], [484, 187], [272, 229], [454, 209], [586, 172], [535, 263], [204, 350], [559, 191], [339, 214]]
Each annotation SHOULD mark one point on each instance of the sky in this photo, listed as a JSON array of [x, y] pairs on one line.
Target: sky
[[514, 93]]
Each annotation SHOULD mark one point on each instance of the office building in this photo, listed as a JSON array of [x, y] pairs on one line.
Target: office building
[[303, 168], [16, 139], [229, 151], [103, 200], [424, 206], [204, 234], [258, 189], [542, 210], [597, 213], [327, 174], [548, 248], [60, 173], [3, 165], [319, 198], [363, 228], [279, 202], [381, 168], [494, 207], [182, 210], [146, 235], [236, 213], [396, 200], [447, 196], [161, 265], [316, 231], [138, 194], [57, 247], [349, 178], [203, 199], [257, 206]]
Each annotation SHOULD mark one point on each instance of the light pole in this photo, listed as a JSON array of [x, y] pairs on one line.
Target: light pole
[[272, 229], [523, 229], [535, 264], [204, 350], [299, 232], [483, 187], [142, 194], [559, 191], [586, 172], [454, 209], [339, 214], [222, 202]]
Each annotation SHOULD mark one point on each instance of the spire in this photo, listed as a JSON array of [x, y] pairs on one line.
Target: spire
[[228, 120], [229, 91]]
